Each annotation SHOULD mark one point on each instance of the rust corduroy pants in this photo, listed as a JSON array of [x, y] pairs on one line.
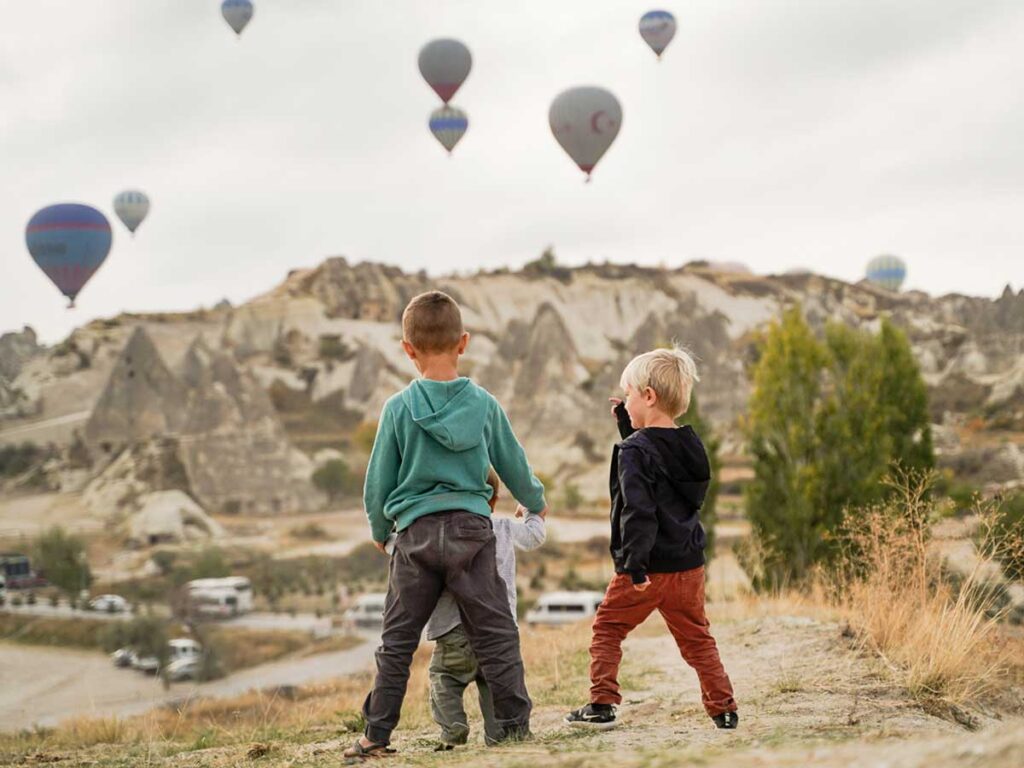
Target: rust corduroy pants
[[679, 597]]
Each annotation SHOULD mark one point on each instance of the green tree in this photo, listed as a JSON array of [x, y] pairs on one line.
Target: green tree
[[828, 420], [146, 635], [782, 443], [62, 559], [708, 512], [334, 478]]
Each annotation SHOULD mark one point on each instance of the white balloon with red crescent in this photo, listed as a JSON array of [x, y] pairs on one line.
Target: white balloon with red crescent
[[445, 65], [585, 121], [657, 28]]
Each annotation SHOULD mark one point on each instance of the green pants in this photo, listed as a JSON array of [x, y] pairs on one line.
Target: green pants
[[453, 667]]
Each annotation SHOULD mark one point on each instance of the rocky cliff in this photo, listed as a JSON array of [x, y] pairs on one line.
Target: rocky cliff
[[549, 342]]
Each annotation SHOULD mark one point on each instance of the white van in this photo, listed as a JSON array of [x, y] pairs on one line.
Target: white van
[[221, 598], [177, 649], [368, 612], [564, 607]]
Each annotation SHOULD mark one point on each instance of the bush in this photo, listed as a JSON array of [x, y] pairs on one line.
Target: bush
[[573, 499], [941, 633], [146, 635], [1008, 530], [17, 459], [61, 557], [336, 480], [333, 348]]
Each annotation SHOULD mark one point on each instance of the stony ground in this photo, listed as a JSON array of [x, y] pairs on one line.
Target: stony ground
[[808, 696]]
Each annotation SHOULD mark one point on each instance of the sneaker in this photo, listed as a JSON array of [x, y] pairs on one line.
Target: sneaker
[[598, 716], [728, 720]]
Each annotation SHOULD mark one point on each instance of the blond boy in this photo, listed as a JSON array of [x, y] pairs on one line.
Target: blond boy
[[660, 474]]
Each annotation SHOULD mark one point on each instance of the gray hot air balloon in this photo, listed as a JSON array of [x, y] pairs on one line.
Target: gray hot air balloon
[[237, 13], [445, 65], [585, 121], [657, 28], [131, 207], [448, 124]]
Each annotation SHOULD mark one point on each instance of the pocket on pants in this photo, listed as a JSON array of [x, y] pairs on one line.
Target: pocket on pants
[[475, 528]]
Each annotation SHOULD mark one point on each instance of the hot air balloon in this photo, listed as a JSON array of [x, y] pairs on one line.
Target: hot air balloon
[[585, 121], [448, 124], [658, 28], [237, 13], [445, 65], [887, 271], [131, 208], [69, 242]]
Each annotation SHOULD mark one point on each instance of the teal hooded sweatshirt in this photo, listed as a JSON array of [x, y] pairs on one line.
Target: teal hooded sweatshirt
[[435, 442]]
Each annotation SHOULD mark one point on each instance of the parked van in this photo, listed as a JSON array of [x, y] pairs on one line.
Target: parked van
[[368, 612], [221, 598], [177, 649], [564, 607]]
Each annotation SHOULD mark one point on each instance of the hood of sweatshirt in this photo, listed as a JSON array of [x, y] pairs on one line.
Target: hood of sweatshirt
[[451, 412], [679, 455]]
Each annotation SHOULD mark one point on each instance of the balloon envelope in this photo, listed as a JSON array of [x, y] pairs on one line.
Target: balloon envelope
[[887, 271], [585, 121], [237, 13], [445, 65], [69, 242], [131, 207], [448, 124], [658, 28]]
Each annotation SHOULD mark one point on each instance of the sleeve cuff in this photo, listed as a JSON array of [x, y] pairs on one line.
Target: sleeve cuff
[[638, 577]]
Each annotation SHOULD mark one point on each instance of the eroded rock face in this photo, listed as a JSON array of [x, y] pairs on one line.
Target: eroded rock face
[[551, 347], [15, 349], [142, 399], [213, 424]]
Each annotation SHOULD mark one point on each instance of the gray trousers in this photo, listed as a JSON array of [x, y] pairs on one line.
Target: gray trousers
[[453, 550], [453, 667]]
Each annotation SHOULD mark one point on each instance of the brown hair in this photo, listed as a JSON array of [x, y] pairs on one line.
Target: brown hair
[[432, 323]]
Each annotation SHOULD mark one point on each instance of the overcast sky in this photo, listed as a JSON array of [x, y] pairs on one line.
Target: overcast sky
[[778, 133]]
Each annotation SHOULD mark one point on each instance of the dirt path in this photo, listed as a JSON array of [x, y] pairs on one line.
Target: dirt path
[[807, 696]]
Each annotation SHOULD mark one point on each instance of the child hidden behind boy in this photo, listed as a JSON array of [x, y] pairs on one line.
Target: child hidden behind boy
[[427, 481], [453, 665], [659, 475]]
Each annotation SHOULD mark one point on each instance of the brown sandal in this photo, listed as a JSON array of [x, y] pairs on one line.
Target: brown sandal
[[357, 750]]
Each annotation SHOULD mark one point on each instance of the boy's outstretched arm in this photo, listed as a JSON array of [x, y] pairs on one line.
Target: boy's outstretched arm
[[639, 520], [529, 534], [381, 477], [509, 460]]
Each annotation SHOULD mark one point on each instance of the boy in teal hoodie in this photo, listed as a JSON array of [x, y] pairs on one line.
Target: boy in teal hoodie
[[427, 481]]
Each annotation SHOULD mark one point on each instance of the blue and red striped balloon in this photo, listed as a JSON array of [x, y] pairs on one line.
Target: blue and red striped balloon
[[69, 242]]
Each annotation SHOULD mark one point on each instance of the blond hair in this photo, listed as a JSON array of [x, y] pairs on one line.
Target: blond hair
[[671, 373], [432, 323]]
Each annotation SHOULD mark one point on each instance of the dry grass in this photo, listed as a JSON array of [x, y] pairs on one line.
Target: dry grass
[[556, 662], [941, 635]]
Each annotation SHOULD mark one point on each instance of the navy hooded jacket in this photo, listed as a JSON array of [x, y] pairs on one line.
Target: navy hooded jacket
[[659, 477]]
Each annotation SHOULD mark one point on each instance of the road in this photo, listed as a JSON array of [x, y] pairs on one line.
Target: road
[[43, 686]]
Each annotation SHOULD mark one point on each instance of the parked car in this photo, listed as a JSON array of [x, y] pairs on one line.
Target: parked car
[[109, 604], [188, 668], [123, 657], [177, 649], [368, 612], [564, 607]]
